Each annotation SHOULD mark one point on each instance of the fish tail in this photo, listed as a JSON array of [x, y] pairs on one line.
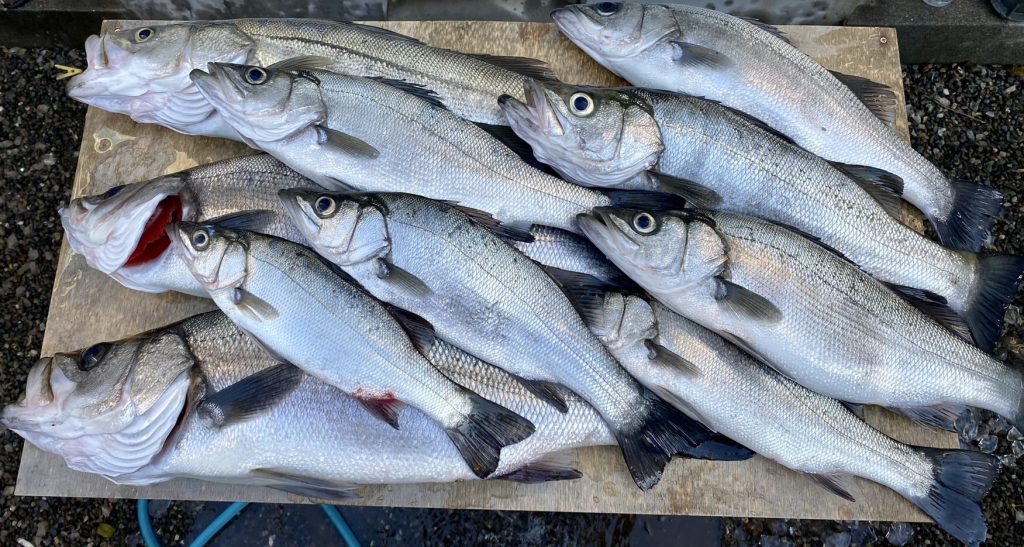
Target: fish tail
[[482, 433], [962, 478], [664, 432], [975, 208], [999, 278]]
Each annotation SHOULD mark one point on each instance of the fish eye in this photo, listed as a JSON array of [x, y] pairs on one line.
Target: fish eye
[[608, 8], [255, 75], [581, 104], [112, 192], [201, 239], [644, 223], [92, 357], [143, 34], [325, 206]]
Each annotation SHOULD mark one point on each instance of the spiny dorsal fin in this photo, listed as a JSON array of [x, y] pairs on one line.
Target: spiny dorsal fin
[[420, 331], [302, 62], [885, 187], [585, 292], [879, 98], [412, 88], [695, 193], [755, 122], [251, 395], [485, 220], [833, 484], [743, 302], [775, 31], [935, 306], [692, 55], [348, 144], [531, 68]]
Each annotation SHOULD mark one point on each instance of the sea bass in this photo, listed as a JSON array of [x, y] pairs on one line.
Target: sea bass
[[634, 138], [752, 68], [247, 418], [144, 72], [715, 382], [347, 132], [121, 232], [484, 296], [807, 312], [305, 313]]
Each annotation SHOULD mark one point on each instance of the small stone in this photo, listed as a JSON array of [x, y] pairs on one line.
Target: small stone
[[778, 527], [41, 528], [943, 102], [988, 444], [1014, 434], [1018, 448], [945, 92], [1012, 316], [43, 108], [158, 508], [105, 530], [841, 539], [1018, 515], [774, 541], [899, 533], [1010, 90], [12, 241]]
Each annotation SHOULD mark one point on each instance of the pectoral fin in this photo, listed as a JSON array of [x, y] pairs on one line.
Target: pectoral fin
[[251, 395], [746, 304], [403, 280], [664, 356], [547, 392], [692, 55], [253, 306], [345, 143]]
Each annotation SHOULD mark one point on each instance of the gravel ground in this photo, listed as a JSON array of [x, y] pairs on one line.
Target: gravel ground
[[967, 119]]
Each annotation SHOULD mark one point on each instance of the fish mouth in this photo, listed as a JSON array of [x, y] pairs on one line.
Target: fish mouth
[[536, 116], [295, 203], [125, 229], [578, 26], [218, 86], [85, 443], [102, 83], [600, 226]]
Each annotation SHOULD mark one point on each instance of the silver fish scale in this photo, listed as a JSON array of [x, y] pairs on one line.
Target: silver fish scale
[[469, 86], [567, 251], [317, 431], [845, 335], [760, 175], [792, 425], [466, 165], [493, 302], [798, 97], [337, 332]]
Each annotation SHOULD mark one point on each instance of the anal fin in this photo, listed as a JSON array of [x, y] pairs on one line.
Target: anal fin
[[546, 391], [834, 484], [306, 486], [385, 408], [556, 466]]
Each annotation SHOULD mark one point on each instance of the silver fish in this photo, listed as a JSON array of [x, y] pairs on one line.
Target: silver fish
[[802, 309], [570, 252], [248, 419], [144, 72], [640, 139], [752, 68], [121, 232], [347, 132], [305, 313], [716, 382], [484, 296]]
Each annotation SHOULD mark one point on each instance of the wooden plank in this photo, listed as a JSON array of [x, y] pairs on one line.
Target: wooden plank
[[88, 307]]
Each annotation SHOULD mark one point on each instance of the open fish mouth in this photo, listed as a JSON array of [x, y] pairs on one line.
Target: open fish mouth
[[536, 116], [124, 227], [87, 443], [602, 230]]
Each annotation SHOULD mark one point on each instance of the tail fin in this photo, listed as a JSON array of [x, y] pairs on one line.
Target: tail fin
[[975, 207], [962, 478], [999, 278], [481, 434], [665, 432]]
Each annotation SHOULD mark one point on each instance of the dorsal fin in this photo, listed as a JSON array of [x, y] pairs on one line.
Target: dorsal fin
[[250, 221], [485, 220], [381, 31], [302, 62], [885, 187], [879, 98], [775, 31], [529, 67], [935, 306], [413, 88], [585, 292], [420, 331]]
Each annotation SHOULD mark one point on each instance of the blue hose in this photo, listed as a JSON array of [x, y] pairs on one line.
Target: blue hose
[[218, 523], [341, 525], [149, 535], [146, 525]]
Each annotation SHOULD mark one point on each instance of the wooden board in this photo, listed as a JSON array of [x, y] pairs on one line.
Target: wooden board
[[88, 307]]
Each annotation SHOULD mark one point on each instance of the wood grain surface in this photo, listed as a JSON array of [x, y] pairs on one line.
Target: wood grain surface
[[88, 307]]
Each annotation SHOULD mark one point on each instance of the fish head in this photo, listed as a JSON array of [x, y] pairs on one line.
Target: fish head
[[345, 228], [216, 255], [611, 31], [663, 251], [121, 232], [262, 104], [591, 136], [109, 408], [143, 71]]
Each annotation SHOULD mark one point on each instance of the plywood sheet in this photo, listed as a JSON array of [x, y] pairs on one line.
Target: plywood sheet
[[88, 307]]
